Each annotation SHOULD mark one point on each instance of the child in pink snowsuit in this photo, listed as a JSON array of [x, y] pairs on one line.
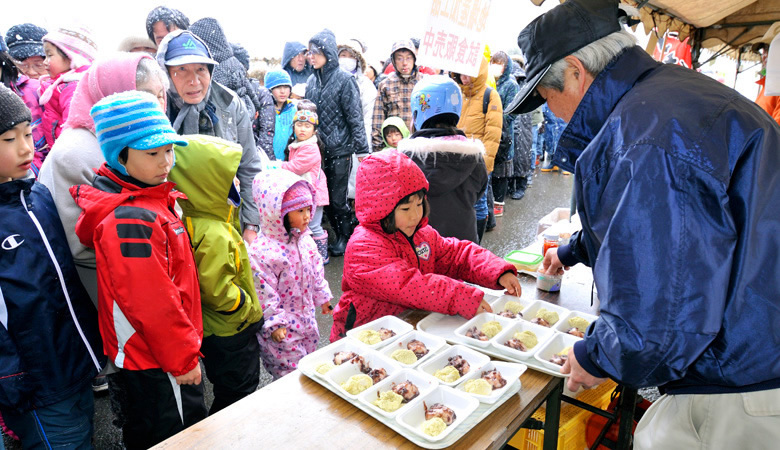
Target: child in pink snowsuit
[[395, 261], [288, 271]]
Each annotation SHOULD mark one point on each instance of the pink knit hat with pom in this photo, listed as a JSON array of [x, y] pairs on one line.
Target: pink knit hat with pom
[[76, 42], [298, 196]]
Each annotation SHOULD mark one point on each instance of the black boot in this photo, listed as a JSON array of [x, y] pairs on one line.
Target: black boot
[[519, 193], [481, 229], [344, 225]]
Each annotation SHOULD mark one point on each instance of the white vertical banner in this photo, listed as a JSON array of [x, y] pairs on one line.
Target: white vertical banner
[[454, 35]]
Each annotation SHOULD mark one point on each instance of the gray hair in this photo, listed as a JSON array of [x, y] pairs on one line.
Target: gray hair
[[594, 57], [147, 70]]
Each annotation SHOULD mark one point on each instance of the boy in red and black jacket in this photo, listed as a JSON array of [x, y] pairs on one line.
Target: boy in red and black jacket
[[148, 294]]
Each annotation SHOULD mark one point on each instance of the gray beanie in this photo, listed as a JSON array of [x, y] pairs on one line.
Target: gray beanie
[[13, 111]]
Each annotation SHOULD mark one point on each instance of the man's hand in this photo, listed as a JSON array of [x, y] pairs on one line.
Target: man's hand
[[326, 309], [579, 376], [484, 307], [191, 377], [510, 282], [249, 236], [551, 264], [279, 334]]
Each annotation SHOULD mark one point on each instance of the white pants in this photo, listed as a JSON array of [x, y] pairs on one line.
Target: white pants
[[743, 421]]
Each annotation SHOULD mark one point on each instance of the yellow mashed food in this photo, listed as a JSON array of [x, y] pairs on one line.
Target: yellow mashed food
[[528, 338], [369, 337], [515, 307], [433, 427], [564, 352], [404, 356], [478, 386], [550, 316], [491, 329], [324, 368], [389, 401], [579, 323], [448, 374], [357, 384]]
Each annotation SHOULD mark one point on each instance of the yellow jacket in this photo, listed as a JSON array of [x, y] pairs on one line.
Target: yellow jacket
[[476, 124]]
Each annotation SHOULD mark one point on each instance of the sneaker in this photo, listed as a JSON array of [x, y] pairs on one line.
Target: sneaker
[[518, 195], [547, 166], [530, 179], [556, 169], [565, 172], [498, 210], [99, 384]]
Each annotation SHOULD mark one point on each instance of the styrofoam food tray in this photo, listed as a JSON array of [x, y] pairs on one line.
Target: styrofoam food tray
[[461, 403], [543, 334], [478, 321], [325, 355], [433, 343], [563, 324], [374, 359], [424, 382], [530, 312], [442, 325], [390, 322], [475, 359], [509, 371], [498, 304], [555, 345]]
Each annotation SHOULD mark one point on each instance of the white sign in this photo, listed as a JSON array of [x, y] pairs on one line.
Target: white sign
[[454, 36]]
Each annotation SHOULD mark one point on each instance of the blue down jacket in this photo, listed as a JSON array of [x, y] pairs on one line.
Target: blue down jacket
[[336, 94], [50, 347], [678, 189]]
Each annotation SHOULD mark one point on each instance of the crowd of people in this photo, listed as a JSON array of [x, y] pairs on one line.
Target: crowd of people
[[163, 209]]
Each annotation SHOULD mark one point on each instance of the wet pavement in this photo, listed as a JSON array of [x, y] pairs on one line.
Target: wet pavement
[[514, 231]]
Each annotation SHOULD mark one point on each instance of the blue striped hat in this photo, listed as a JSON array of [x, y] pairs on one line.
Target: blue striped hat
[[131, 119]]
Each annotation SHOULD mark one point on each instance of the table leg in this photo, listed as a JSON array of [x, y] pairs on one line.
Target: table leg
[[626, 414], [553, 416]]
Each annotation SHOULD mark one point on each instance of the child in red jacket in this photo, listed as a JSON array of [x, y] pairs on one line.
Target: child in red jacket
[[148, 294], [396, 261]]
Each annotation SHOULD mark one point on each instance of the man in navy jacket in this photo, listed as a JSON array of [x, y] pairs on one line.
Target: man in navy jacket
[[678, 192]]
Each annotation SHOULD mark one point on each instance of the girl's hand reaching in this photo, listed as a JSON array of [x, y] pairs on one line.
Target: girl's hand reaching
[[510, 283], [484, 307], [279, 334], [326, 309]]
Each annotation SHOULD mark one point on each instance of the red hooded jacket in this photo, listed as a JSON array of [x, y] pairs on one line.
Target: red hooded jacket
[[148, 293], [384, 274]]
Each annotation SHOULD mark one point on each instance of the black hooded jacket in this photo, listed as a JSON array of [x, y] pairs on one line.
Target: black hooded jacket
[[336, 94]]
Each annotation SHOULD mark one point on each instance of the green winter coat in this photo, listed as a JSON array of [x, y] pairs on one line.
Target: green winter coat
[[204, 172], [395, 122]]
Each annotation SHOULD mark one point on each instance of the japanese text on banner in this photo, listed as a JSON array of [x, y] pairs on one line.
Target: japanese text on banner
[[453, 39]]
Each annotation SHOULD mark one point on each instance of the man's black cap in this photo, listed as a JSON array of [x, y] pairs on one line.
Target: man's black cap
[[556, 34]]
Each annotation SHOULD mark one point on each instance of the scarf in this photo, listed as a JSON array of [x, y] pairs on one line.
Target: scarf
[[189, 117]]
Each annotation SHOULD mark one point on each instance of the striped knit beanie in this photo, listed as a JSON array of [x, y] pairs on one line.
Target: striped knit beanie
[[298, 196], [131, 119], [76, 42]]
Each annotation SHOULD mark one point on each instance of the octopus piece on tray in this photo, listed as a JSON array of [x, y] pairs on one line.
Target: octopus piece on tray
[[364, 367], [575, 332], [516, 344], [459, 363], [494, 378], [340, 358], [377, 375], [407, 390], [385, 334], [509, 314], [559, 359], [441, 411], [540, 321], [475, 333], [418, 348]]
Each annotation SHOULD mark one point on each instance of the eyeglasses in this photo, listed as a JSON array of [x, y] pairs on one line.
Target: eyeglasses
[[24, 67], [313, 51]]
